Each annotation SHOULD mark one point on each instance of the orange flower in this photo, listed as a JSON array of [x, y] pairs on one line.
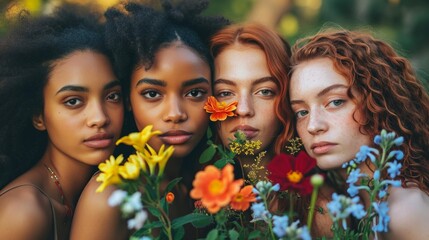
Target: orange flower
[[215, 187], [169, 197], [219, 110], [241, 201]]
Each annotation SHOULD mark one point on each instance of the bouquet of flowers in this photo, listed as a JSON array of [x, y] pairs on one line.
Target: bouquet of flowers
[[222, 202]]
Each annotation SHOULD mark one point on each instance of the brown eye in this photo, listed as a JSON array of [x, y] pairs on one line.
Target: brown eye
[[72, 102]]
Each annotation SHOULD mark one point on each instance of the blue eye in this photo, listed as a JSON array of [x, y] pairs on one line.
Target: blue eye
[[337, 102], [266, 92], [301, 113]]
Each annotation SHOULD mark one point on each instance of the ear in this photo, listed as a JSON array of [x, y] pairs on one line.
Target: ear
[[39, 122]]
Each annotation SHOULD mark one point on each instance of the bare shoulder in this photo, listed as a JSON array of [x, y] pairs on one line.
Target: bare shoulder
[[26, 214], [409, 214], [94, 218]]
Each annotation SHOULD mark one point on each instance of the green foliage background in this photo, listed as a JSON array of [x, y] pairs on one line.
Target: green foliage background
[[402, 23]]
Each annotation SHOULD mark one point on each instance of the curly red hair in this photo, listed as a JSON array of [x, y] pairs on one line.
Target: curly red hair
[[392, 97], [277, 52]]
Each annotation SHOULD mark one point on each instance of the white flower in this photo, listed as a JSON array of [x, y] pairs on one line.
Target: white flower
[[138, 220], [135, 201], [117, 197]]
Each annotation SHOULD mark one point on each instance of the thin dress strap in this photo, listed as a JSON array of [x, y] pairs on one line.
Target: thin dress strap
[[50, 203]]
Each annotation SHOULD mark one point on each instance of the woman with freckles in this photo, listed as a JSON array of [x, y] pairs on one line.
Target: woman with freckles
[[251, 66], [164, 60], [61, 113], [345, 88]]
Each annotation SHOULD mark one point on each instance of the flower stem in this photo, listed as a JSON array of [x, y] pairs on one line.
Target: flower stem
[[312, 207]]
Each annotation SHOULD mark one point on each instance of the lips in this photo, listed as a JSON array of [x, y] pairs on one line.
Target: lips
[[249, 131], [175, 137], [322, 147], [99, 141]]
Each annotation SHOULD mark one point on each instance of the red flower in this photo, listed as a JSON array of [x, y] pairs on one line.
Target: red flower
[[291, 172]]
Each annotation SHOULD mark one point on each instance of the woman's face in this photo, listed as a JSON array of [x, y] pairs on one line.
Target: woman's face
[[83, 109], [241, 74], [324, 113], [171, 96]]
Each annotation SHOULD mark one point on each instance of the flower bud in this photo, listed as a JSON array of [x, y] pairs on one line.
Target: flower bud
[[316, 180], [169, 197]]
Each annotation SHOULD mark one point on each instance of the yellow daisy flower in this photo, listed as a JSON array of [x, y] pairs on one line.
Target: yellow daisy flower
[[109, 172], [139, 139], [131, 168], [152, 158]]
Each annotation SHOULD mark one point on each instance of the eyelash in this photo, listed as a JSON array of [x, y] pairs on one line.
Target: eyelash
[[341, 102], [223, 94], [271, 92], [299, 114], [200, 93], [146, 94], [68, 103]]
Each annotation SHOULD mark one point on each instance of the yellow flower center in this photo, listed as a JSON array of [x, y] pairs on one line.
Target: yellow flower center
[[238, 198], [294, 176], [216, 187]]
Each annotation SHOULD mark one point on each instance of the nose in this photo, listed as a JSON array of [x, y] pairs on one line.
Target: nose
[[245, 106], [175, 111], [97, 116], [317, 122]]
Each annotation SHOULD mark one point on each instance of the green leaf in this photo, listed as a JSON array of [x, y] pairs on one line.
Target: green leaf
[[233, 235], [209, 133], [179, 233], [191, 218], [221, 163], [208, 154], [254, 234], [154, 211], [213, 235], [171, 185], [203, 221]]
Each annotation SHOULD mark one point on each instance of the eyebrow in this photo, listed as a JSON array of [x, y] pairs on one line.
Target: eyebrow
[[74, 88], [152, 81], [162, 83], [256, 81], [322, 93], [195, 81]]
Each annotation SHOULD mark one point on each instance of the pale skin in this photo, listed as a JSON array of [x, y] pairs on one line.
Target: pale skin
[[82, 115], [242, 75], [325, 123], [175, 89]]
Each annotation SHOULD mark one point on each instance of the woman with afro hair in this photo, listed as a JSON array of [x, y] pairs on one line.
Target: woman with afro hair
[[61, 113], [163, 59]]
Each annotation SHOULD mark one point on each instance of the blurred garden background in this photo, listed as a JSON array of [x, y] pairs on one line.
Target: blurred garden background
[[402, 23]]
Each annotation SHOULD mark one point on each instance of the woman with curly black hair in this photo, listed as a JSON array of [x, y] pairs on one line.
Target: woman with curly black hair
[[165, 64], [61, 113]]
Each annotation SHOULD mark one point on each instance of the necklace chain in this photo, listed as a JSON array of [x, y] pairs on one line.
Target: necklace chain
[[56, 180]]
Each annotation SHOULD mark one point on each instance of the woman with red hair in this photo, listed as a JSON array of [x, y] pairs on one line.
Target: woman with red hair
[[251, 67], [345, 88]]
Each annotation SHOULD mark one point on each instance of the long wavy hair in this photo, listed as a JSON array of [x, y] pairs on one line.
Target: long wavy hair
[[392, 96], [277, 51]]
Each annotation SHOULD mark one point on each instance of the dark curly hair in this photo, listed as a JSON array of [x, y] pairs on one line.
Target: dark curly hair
[[135, 32], [392, 97], [28, 53]]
